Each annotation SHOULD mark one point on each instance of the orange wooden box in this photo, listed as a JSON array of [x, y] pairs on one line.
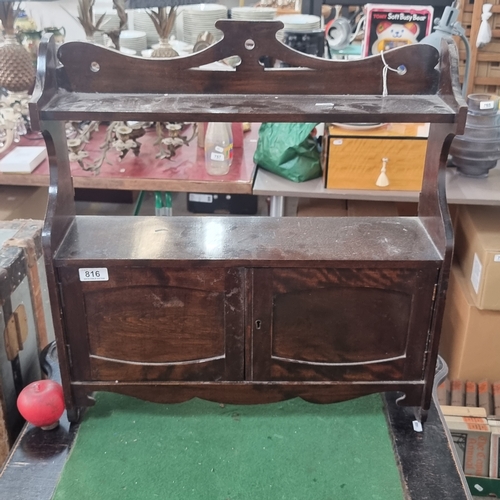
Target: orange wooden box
[[390, 157]]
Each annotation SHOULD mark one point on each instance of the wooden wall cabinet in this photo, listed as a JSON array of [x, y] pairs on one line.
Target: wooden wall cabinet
[[252, 309]]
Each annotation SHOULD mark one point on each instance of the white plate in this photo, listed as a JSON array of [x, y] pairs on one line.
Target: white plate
[[131, 34], [299, 19], [359, 126], [205, 7], [129, 52]]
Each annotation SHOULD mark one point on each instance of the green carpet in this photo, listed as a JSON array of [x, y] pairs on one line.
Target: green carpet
[[293, 450]]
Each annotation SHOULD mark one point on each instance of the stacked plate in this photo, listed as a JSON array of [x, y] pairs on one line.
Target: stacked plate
[[202, 17], [134, 40], [253, 13], [142, 22], [111, 21], [300, 22]]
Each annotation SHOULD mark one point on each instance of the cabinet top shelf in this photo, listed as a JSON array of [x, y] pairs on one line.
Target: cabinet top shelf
[[254, 108], [249, 241], [83, 81]]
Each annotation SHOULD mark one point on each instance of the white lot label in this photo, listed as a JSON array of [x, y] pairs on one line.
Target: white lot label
[[496, 258], [203, 198], [93, 274], [338, 142], [417, 426], [475, 275], [217, 156], [486, 104]]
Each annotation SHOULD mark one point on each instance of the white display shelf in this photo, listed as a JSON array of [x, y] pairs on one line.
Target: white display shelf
[[459, 189]]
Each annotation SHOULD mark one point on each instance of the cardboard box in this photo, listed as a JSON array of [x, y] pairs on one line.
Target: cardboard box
[[390, 157], [457, 393], [494, 448], [25, 319], [496, 397], [23, 202], [485, 396], [391, 26], [317, 207], [471, 437], [477, 250], [470, 394], [483, 486], [470, 337], [463, 411], [444, 393]]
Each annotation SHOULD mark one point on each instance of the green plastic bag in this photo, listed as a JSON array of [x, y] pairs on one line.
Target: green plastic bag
[[288, 150]]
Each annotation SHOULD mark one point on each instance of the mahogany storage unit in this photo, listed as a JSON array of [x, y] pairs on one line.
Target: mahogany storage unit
[[247, 309]]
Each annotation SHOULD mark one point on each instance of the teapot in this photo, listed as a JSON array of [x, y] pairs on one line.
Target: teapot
[[58, 33]]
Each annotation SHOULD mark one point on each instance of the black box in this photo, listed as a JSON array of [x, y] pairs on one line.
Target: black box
[[236, 204]]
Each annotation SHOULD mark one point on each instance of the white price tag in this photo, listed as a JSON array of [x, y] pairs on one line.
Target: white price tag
[[475, 275], [219, 149], [93, 274], [217, 156], [202, 198], [496, 258], [417, 426], [338, 142], [486, 104]]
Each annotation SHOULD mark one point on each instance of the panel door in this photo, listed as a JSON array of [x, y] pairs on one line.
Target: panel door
[[155, 323], [340, 324]]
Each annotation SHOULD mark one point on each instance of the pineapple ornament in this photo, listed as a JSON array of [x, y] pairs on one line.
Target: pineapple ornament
[[17, 73], [164, 23]]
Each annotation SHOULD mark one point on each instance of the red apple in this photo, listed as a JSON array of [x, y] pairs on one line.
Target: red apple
[[41, 403]]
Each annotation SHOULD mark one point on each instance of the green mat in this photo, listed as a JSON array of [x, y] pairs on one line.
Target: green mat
[[293, 450]]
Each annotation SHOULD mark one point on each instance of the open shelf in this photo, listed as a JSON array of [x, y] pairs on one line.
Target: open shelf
[[249, 241], [252, 108]]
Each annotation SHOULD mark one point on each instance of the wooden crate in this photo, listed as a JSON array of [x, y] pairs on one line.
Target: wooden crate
[[25, 319], [484, 75]]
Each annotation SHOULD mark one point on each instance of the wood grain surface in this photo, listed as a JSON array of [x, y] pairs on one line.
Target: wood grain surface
[[251, 241], [325, 309], [356, 163]]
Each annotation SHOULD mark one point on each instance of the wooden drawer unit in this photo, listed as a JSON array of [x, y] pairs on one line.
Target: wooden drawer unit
[[390, 157]]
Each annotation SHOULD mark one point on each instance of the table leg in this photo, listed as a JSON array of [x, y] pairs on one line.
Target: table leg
[[277, 206], [138, 203]]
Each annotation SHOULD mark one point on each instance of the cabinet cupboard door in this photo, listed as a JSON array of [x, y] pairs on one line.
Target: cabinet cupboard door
[[154, 323], [341, 324]]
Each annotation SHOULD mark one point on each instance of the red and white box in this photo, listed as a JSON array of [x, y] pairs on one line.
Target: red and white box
[[391, 26]]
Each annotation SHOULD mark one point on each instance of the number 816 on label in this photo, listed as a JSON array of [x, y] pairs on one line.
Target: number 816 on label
[[93, 274]]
